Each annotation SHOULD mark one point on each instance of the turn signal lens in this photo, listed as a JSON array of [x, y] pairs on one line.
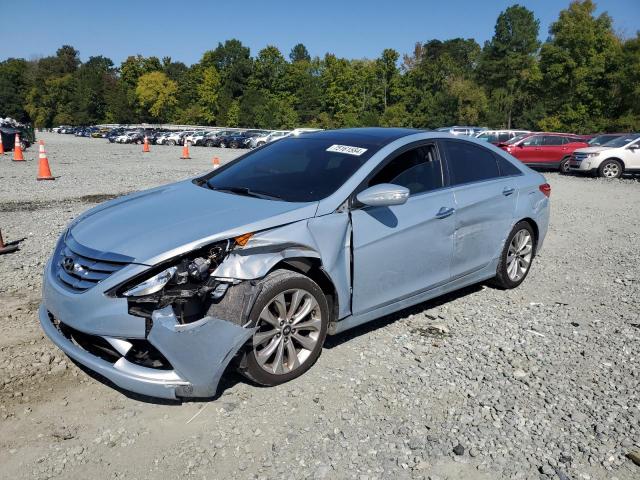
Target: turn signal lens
[[545, 188], [243, 239]]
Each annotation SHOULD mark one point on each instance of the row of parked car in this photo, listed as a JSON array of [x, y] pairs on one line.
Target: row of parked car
[[222, 138], [605, 155]]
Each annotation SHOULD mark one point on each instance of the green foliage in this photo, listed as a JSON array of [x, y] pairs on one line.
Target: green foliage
[[156, 94], [584, 78], [508, 66]]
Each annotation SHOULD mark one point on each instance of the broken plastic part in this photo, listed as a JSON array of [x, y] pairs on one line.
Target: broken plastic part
[[243, 239], [199, 351]]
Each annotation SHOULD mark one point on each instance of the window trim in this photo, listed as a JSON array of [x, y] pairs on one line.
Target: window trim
[[353, 202]]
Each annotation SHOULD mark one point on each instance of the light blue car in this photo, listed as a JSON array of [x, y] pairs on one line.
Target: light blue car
[[259, 260]]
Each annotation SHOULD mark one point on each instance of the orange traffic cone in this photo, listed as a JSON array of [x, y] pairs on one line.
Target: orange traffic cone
[[44, 172], [1, 146], [185, 151], [145, 147], [216, 163], [17, 150]]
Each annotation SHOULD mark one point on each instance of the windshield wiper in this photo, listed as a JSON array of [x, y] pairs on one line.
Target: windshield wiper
[[246, 191]]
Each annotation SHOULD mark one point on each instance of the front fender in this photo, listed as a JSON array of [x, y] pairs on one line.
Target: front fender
[[327, 238]]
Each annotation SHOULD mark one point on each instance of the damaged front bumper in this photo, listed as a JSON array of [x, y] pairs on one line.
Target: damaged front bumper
[[197, 354], [98, 332]]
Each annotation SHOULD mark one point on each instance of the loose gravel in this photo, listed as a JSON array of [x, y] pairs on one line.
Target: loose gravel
[[539, 382]]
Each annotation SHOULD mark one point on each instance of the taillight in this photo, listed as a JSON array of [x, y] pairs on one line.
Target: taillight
[[545, 188]]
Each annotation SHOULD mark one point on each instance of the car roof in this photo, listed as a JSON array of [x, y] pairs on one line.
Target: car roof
[[372, 135]]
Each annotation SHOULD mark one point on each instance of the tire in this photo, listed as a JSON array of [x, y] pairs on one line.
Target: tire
[[564, 166], [171, 142], [277, 344], [234, 145], [509, 275], [208, 143], [222, 145], [610, 168]]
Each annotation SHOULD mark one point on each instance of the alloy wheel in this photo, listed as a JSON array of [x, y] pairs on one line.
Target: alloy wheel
[[288, 330], [519, 255], [611, 170]]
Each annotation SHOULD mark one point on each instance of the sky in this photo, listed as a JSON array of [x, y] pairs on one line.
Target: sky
[[184, 30]]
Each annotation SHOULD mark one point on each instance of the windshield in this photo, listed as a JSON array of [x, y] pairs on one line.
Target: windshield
[[517, 138], [601, 140], [293, 169], [623, 140]]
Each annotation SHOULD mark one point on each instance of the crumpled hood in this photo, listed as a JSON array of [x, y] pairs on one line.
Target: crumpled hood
[[157, 224], [591, 149]]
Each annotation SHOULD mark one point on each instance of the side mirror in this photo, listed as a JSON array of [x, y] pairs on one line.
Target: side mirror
[[384, 195], [635, 146]]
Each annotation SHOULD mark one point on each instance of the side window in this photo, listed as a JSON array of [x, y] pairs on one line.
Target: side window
[[532, 141], [506, 167], [552, 140], [504, 136], [469, 163], [418, 169]]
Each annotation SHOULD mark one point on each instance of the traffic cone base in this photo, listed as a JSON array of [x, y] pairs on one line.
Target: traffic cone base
[[17, 150], [9, 247]]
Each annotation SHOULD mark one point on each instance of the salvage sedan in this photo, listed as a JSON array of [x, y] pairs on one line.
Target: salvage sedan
[[254, 263]]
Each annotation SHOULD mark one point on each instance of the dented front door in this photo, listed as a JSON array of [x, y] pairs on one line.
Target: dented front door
[[401, 250]]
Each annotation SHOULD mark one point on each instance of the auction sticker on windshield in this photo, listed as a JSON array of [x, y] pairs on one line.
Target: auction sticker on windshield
[[357, 151]]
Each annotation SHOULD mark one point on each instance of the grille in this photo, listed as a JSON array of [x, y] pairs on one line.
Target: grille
[[80, 268]]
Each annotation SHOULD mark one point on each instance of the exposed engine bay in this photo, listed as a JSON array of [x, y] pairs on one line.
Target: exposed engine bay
[[191, 290]]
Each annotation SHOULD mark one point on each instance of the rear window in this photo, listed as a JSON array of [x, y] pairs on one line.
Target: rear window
[[294, 169]]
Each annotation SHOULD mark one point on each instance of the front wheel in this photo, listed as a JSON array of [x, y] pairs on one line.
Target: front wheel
[[564, 165], [516, 257], [171, 142], [291, 316], [610, 169]]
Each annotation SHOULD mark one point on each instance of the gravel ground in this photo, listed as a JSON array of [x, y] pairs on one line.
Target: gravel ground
[[534, 383]]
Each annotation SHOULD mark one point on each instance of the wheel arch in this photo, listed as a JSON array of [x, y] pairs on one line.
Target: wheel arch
[[534, 226], [619, 160], [312, 268]]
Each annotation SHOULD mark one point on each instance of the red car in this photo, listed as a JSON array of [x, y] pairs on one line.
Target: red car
[[544, 149]]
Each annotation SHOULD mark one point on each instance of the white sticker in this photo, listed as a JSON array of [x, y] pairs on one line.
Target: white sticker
[[357, 151]]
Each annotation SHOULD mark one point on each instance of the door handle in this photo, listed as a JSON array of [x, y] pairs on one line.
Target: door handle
[[508, 191], [445, 212]]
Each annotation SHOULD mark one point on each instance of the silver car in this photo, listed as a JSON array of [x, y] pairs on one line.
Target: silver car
[[254, 263]]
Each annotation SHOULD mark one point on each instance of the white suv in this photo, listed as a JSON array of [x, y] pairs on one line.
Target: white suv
[[610, 160]]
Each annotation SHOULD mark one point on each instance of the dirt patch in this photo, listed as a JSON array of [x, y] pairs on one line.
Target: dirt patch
[[32, 206]]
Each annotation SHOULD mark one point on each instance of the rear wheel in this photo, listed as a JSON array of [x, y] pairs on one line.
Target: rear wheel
[[208, 143], [610, 168], [291, 316], [223, 145], [516, 257]]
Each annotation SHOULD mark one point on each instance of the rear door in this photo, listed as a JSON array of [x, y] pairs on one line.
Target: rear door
[[554, 148], [486, 197]]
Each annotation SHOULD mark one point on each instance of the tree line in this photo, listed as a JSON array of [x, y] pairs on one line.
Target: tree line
[[583, 78]]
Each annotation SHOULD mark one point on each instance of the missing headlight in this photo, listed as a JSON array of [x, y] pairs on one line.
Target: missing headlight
[[184, 282]]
